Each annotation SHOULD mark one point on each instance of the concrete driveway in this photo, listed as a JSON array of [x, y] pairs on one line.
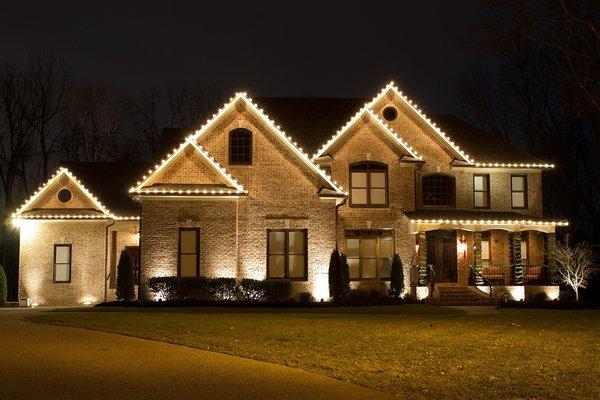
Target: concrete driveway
[[51, 362]]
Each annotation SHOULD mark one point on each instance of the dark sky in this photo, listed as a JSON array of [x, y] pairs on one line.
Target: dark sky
[[282, 48]]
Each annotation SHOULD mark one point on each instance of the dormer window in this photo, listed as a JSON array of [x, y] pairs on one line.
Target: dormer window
[[368, 184], [240, 147], [438, 190]]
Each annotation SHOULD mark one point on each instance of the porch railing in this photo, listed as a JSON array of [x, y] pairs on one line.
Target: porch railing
[[503, 274]]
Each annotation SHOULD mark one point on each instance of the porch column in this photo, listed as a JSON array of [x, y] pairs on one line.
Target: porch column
[[477, 258], [422, 238], [515, 257], [549, 247]]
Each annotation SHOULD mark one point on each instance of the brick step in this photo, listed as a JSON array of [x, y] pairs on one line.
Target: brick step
[[460, 296]]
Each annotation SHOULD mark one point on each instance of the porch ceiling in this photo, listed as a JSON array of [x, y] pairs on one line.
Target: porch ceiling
[[426, 220]]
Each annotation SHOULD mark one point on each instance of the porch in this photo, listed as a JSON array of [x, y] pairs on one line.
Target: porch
[[501, 258]]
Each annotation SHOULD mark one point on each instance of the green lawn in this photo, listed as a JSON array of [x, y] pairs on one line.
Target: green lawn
[[414, 351]]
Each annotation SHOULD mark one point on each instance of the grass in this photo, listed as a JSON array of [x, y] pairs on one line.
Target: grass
[[413, 351]]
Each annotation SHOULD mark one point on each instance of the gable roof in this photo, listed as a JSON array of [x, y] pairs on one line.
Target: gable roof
[[385, 128], [314, 120], [279, 132], [190, 141], [107, 183]]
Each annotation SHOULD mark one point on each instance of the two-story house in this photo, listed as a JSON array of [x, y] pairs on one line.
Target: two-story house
[[268, 187]]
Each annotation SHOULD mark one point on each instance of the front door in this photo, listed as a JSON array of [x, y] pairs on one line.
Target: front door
[[441, 252]]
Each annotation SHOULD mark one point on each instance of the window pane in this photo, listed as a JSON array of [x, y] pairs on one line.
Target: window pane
[[518, 183], [524, 250], [367, 247], [188, 264], [359, 179], [296, 268], [352, 247], [480, 199], [188, 241], [62, 273], [377, 179], [296, 242], [438, 190], [386, 247], [485, 250], [518, 199], [478, 182], [276, 242], [359, 196], [385, 269], [353, 268], [377, 196], [276, 266], [62, 255], [369, 268]]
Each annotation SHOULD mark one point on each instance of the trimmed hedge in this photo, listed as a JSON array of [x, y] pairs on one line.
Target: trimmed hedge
[[215, 289]]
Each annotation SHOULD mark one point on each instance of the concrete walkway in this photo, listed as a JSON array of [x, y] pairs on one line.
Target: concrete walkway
[[51, 362]]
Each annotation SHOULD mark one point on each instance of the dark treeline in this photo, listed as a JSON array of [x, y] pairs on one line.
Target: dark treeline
[[543, 94], [47, 116]]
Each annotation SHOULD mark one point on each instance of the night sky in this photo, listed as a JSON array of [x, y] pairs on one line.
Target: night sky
[[280, 48]]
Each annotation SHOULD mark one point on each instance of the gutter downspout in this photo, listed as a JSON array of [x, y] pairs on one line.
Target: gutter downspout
[[337, 207], [106, 260]]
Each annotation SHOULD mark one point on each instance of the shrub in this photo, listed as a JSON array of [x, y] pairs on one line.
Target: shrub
[[3, 287], [224, 288], [180, 288], [336, 286], [374, 294], [358, 295], [345, 276], [277, 290], [397, 277], [252, 289], [537, 297], [306, 297], [125, 283]]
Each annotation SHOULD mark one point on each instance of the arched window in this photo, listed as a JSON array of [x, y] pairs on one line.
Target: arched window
[[240, 147], [368, 184], [438, 190]]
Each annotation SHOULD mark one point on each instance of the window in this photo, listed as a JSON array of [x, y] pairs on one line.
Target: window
[[286, 250], [369, 254], [62, 263], [390, 113], [438, 190], [240, 147], [189, 252], [524, 251], [368, 185], [518, 187], [486, 258], [64, 195], [134, 256], [481, 191]]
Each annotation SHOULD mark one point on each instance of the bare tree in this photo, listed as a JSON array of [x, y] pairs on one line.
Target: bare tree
[[573, 266], [15, 140], [93, 124], [185, 107], [545, 94], [48, 82]]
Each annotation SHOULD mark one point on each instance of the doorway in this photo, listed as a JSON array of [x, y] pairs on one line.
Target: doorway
[[441, 252]]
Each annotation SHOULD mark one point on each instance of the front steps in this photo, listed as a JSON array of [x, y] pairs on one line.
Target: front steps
[[460, 296]]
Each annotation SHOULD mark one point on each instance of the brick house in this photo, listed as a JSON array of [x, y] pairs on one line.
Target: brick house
[[267, 187]]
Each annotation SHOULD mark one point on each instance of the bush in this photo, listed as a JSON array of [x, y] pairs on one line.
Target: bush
[[396, 277], [358, 295], [125, 283], [180, 288], [224, 288], [345, 276], [305, 297], [336, 285], [252, 289], [537, 297], [3, 287], [277, 290]]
